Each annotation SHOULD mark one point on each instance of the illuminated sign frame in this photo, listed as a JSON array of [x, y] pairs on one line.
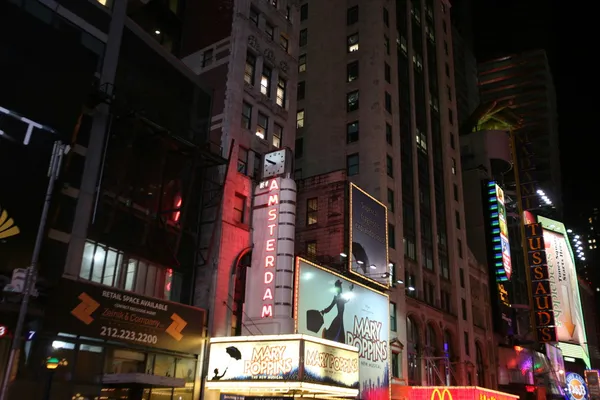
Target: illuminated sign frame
[[541, 291], [500, 242], [269, 263]]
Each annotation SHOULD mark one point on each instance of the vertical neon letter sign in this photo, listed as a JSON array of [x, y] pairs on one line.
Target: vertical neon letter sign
[[270, 250]]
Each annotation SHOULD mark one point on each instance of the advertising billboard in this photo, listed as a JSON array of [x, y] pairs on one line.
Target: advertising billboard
[[541, 284], [570, 326], [282, 358], [330, 306], [592, 380], [268, 301], [576, 387], [105, 313], [454, 393], [368, 242]]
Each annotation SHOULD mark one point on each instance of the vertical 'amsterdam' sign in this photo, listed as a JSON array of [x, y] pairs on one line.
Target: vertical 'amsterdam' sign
[[540, 284]]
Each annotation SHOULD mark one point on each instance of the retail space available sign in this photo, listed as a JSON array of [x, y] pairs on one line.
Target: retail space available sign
[[540, 284], [105, 313], [332, 307], [283, 359]]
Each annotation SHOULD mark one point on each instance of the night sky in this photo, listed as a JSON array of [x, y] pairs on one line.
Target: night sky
[[503, 27]]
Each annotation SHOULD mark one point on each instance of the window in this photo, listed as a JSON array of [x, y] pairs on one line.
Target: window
[[466, 336], [452, 143], [395, 365], [388, 133], [387, 72], [250, 69], [352, 101], [254, 15], [444, 267], [207, 58], [391, 236], [446, 47], [446, 303], [444, 26], [450, 117], [288, 11], [301, 90], [386, 43], [386, 17], [242, 166], [457, 218], [257, 166], [455, 192], [270, 30], [277, 135], [262, 126], [300, 119], [447, 68], [273, 3], [352, 43], [312, 211], [265, 81], [246, 115], [302, 63], [299, 146], [453, 166], [393, 320], [391, 200], [239, 209], [281, 92], [463, 304], [352, 71], [352, 164], [303, 37], [352, 132], [421, 140], [352, 15], [449, 89], [461, 277], [388, 102], [460, 249], [389, 166], [311, 248], [284, 42], [304, 12]]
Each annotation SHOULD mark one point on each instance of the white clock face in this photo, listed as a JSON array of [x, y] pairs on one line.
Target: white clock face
[[274, 163]]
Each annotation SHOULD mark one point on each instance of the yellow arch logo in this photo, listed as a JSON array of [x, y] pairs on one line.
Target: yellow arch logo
[[7, 226], [438, 394]]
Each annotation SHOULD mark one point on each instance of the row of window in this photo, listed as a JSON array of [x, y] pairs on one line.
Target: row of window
[[266, 78], [268, 28], [262, 125]]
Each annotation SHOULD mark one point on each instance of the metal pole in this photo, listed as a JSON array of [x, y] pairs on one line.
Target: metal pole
[[55, 161]]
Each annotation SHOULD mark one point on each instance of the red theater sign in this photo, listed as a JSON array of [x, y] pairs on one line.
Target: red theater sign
[[454, 393], [270, 245]]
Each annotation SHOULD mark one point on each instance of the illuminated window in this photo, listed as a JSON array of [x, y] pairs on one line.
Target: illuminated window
[[281, 92], [262, 126], [352, 132], [312, 211], [352, 101], [239, 209], [265, 82], [302, 63], [352, 43], [311, 248], [300, 119], [277, 135], [250, 69], [453, 166], [246, 115], [421, 139], [352, 15], [352, 164], [352, 71]]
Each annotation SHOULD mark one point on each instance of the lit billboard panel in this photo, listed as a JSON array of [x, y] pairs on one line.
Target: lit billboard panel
[[368, 242], [563, 284], [332, 307], [501, 245]]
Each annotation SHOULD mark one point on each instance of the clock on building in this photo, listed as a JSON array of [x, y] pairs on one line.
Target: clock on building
[[274, 163]]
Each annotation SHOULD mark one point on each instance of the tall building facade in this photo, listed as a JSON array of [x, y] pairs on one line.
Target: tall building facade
[[248, 52], [377, 100], [525, 82], [120, 237]]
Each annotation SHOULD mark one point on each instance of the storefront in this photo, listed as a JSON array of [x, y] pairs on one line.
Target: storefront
[[281, 366], [451, 393], [113, 344]]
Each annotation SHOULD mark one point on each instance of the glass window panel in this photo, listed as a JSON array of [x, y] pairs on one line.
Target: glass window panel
[[87, 261], [99, 259], [112, 267], [89, 364], [131, 272]]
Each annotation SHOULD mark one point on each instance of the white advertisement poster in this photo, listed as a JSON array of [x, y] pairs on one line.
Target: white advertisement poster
[[565, 289], [329, 306], [250, 361], [329, 365]]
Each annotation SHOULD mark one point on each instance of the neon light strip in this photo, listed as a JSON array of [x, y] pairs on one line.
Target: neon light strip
[[277, 386]]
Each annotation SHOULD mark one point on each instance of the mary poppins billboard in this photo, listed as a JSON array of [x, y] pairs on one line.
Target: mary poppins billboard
[[45, 75]]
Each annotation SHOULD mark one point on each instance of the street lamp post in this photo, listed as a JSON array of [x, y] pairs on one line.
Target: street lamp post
[[58, 152], [51, 364]]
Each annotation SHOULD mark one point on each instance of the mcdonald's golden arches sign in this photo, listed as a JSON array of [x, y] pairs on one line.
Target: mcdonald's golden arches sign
[[456, 393]]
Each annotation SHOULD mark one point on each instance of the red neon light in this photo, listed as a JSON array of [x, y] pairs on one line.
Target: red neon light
[[177, 213], [270, 247]]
